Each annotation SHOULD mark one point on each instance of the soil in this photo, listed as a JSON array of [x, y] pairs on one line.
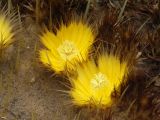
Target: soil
[[28, 92]]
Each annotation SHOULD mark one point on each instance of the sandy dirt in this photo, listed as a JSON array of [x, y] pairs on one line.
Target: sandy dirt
[[28, 91]]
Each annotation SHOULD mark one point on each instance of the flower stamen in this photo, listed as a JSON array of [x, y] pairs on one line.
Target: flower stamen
[[67, 50], [99, 80]]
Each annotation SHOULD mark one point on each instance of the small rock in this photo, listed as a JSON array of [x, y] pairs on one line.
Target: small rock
[[33, 80]]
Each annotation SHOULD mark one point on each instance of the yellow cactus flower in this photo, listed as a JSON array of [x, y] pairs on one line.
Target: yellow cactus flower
[[69, 46], [95, 83], [6, 30]]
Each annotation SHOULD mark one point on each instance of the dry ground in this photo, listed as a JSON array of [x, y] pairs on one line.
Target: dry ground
[[27, 91]]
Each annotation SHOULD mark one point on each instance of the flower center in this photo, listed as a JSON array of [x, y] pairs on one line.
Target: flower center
[[68, 50], [99, 80]]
